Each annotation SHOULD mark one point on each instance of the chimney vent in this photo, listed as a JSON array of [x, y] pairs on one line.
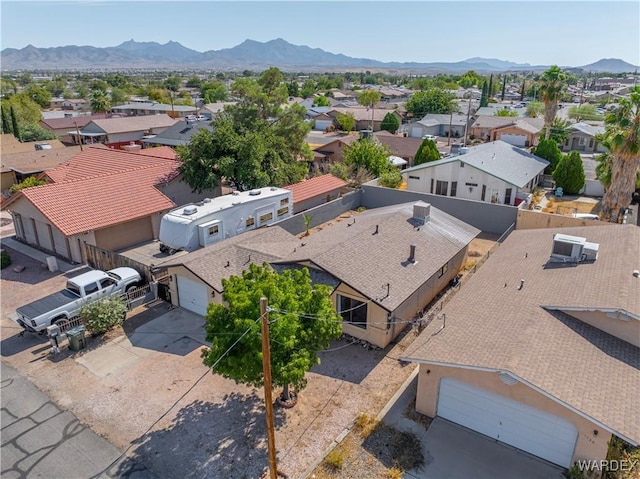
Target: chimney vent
[[412, 253]]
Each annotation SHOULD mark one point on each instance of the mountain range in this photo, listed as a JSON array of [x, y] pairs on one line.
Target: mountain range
[[251, 55]]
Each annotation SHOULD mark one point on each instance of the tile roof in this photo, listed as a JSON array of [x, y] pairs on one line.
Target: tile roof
[[233, 255], [99, 201], [100, 161], [316, 186], [490, 325], [34, 161], [133, 123], [499, 159], [367, 261]]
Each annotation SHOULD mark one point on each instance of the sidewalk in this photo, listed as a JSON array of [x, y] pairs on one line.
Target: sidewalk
[[37, 254]]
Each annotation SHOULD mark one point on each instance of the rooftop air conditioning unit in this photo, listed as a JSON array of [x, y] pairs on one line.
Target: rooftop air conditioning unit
[[189, 210], [255, 192], [572, 249]]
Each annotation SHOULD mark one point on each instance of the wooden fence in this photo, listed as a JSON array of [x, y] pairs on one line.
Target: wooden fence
[[99, 258]]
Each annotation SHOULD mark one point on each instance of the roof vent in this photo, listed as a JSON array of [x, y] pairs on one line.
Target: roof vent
[[412, 253], [255, 192], [189, 210], [273, 188], [507, 378], [235, 193], [421, 211], [207, 200]]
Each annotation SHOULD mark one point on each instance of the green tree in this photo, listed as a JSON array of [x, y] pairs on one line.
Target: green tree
[[28, 182], [346, 121], [213, 92], [308, 88], [547, 149], [504, 86], [40, 95], [552, 84], [100, 101], [303, 322], [505, 112], [368, 154], [433, 100], [391, 179], [490, 88], [584, 112], [484, 99], [194, 82], [255, 143], [118, 96], [560, 131], [428, 151], [6, 122], [321, 100], [15, 128], [622, 135], [369, 98], [34, 132], [569, 174], [523, 89], [535, 109], [469, 79], [390, 123], [104, 314], [293, 88]]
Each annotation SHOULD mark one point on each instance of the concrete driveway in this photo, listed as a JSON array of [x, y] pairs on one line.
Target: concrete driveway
[[452, 452]]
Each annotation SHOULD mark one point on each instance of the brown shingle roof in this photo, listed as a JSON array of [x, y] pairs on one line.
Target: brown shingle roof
[[499, 327], [360, 114], [367, 261], [70, 122], [401, 146], [316, 186], [9, 144], [134, 123], [33, 161]]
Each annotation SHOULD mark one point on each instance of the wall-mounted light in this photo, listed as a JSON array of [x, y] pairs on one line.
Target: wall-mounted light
[[428, 371], [471, 189]]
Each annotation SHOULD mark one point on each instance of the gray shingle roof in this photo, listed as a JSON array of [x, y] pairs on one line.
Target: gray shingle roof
[[491, 121], [499, 159], [367, 261], [490, 325], [432, 119], [590, 130], [179, 134]]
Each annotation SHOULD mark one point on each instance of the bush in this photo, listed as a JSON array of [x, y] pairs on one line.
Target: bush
[[28, 183], [391, 179], [548, 150], [335, 458], [5, 260], [104, 314], [569, 174]]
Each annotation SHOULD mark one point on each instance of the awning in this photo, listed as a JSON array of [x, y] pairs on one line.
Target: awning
[[397, 161]]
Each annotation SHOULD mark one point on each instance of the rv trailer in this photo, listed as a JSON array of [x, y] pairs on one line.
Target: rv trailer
[[195, 225]]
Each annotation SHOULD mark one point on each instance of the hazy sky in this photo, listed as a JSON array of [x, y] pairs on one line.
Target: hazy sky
[[545, 32]]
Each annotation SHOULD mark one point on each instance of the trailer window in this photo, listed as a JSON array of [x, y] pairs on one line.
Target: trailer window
[[213, 230], [250, 221], [266, 217], [283, 211], [284, 201]]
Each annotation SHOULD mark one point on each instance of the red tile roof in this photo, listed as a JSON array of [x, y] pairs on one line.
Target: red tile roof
[[316, 186], [102, 187]]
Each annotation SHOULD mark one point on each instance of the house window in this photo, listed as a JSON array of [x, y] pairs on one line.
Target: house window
[[266, 217], [284, 201], [582, 141], [414, 177], [507, 196], [283, 211], [352, 311], [443, 270], [484, 192], [454, 188], [250, 221], [461, 165], [213, 230], [431, 191], [441, 187], [591, 143]]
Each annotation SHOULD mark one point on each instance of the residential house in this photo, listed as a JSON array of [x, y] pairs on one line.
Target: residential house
[[117, 132], [315, 191], [74, 104], [366, 118], [10, 144], [384, 265], [16, 167], [437, 124], [68, 126], [400, 146], [495, 172], [331, 152], [178, 134], [582, 138], [541, 355], [493, 108], [153, 108], [523, 132], [214, 109], [108, 198]]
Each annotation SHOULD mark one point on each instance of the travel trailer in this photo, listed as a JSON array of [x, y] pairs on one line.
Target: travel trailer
[[196, 225]]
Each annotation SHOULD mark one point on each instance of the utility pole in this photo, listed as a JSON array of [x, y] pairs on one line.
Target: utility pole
[[78, 132], [450, 122], [266, 367], [466, 125]]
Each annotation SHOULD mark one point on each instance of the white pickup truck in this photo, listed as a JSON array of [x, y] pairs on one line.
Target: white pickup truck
[[80, 290]]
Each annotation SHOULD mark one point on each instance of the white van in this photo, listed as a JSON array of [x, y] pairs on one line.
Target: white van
[[586, 216]]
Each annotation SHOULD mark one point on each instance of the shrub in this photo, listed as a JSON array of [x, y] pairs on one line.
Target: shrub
[[27, 183], [335, 458], [365, 424], [569, 174], [5, 260], [104, 314], [548, 150], [391, 179], [395, 473]]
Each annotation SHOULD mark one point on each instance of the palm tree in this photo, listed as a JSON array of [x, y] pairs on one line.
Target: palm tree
[[552, 84], [622, 135], [100, 101]]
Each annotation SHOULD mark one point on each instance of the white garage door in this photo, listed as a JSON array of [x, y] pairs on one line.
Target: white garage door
[[415, 132], [322, 124], [513, 139], [534, 431], [192, 295]]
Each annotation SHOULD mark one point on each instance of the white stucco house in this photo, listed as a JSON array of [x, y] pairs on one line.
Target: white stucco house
[[495, 172]]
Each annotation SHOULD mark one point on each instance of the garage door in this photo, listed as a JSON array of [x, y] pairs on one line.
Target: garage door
[[192, 295], [534, 431], [515, 140], [415, 132], [322, 124]]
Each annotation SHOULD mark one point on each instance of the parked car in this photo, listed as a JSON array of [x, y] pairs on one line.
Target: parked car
[[201, 118], [430, 137], [191, 118], [80, 290]]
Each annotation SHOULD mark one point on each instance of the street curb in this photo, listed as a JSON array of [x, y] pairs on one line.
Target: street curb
[[383, 412]]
